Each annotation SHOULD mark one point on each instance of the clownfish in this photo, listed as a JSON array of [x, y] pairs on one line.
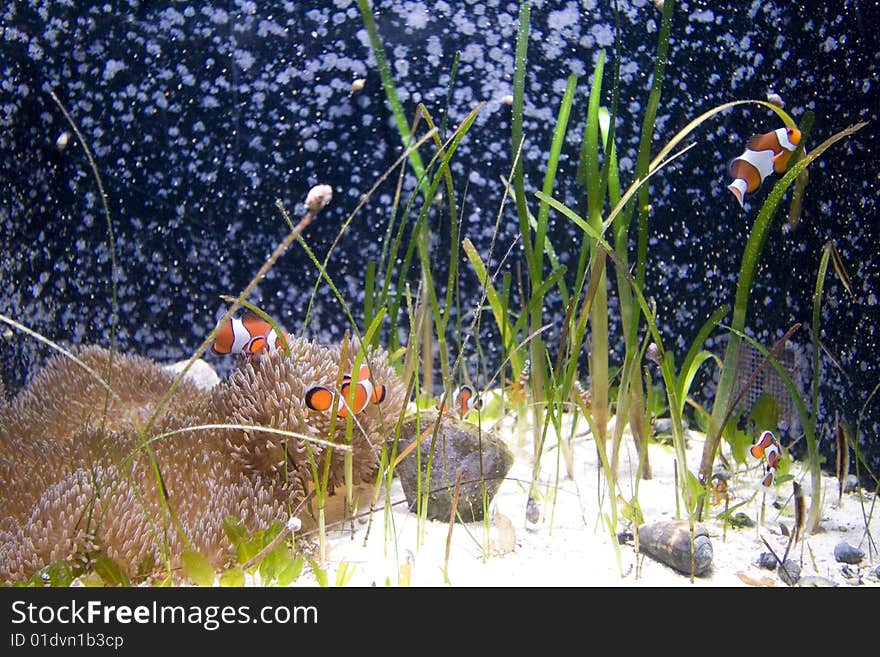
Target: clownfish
[[464, 401], [248, 335], [320, 398], [767, 447], [764, 154]]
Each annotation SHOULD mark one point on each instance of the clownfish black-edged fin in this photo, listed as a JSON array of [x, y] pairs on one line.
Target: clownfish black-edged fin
[[319, 398], [379, 394]]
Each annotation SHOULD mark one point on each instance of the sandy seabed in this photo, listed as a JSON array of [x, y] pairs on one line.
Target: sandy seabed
[[571, 546]]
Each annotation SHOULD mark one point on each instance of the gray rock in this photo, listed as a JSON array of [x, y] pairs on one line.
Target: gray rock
[[663, 425], [767, 560], [480, 456], [669, 542], [846, 553], [789, 572]]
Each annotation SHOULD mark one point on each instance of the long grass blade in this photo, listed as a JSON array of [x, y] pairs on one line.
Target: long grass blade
[[842, 458]]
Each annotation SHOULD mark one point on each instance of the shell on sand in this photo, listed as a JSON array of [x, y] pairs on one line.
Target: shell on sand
[[670, 542]]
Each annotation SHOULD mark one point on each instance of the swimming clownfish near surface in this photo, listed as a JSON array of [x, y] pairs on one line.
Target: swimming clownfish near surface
[[249, 334], [464, 400], [767, 447], [764, 154], [320, 398]]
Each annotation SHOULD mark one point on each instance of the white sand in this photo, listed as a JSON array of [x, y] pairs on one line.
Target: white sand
[[571, 546]]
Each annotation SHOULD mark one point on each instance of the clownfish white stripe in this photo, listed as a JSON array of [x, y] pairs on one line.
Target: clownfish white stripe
[[763, 155], [789, 144], [761, 160], [464, 400]]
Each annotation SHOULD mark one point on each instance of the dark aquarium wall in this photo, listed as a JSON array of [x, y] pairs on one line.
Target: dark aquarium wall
[[201, 115]]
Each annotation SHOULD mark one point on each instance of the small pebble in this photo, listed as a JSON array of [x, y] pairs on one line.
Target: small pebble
[[740, 519], [790, 573], [846, 553], [850, 484], [624, 536], [722, 474], [62, 141], [848, 572], [533, 511], [767, 560]]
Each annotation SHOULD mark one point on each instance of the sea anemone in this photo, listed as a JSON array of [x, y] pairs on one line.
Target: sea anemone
[[64, 397], [79, 485], [97, 495], [270, 391]]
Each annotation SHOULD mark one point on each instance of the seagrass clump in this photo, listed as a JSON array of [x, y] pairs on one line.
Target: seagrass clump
[[75, 487]]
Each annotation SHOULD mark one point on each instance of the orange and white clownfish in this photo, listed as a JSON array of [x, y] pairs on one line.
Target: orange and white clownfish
[[767, 447], [764, 154], [464, 400], [320, 398], [249, 334]]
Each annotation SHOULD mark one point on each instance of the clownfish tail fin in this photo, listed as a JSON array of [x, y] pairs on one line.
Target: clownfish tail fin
[[738, 187]]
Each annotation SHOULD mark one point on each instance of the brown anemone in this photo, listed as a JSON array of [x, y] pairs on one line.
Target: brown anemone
[[64, 397], [74, 485]]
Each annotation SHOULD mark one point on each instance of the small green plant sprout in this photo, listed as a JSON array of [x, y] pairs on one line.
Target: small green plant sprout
[[265, 554], [197, 568], [764, 415], [739, 441]]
